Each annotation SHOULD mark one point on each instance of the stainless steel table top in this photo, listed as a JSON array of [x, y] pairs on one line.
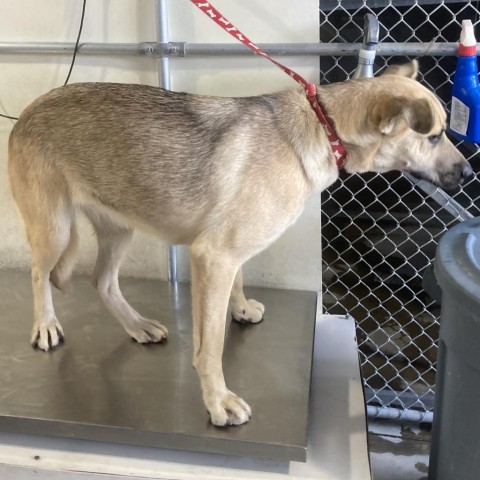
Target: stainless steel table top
[[101, 385]]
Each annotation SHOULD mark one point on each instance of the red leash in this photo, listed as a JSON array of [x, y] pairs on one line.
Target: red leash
[[311, 90]]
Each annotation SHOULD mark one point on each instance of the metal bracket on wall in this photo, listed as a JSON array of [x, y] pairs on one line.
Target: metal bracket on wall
[[172, 49]]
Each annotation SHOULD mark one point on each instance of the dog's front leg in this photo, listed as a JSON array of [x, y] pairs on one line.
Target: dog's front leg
[[213, 273], [243, 310]]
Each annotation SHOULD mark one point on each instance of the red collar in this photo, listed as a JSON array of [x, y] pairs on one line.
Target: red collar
[[338, 150]]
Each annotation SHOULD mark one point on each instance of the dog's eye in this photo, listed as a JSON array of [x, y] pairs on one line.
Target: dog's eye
[[434, 139]]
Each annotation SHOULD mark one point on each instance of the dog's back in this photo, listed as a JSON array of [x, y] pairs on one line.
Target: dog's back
[[143, 152], [107, 139]]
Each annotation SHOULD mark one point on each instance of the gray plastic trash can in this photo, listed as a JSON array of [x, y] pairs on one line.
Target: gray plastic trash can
[[455, 453]]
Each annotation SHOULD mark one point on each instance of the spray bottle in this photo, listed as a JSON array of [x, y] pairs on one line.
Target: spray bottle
[[465, 115]]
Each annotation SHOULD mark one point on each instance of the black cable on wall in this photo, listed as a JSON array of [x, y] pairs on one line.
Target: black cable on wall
[[73, 58]]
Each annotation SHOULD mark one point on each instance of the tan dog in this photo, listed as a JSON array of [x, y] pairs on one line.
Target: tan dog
[[226, 176]]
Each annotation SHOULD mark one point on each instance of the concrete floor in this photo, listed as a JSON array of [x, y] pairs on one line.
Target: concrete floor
[[398, 452]]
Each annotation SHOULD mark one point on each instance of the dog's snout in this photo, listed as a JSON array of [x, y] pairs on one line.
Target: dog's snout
[[467, 172], [458, 174]]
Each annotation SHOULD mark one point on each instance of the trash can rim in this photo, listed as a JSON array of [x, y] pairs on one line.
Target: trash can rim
[[457, 263]]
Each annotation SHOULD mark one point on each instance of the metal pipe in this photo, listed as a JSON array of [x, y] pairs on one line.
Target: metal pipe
[[399, 414], [366, 57], [54, 48], [326, 49], [276, 49], [161, 10], [162, 38], [178, 49]]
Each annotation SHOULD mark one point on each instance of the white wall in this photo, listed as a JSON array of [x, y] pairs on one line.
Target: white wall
[[24, 78], [294, 260]]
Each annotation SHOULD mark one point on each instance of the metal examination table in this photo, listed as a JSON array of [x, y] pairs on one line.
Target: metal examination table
[[100, 386]]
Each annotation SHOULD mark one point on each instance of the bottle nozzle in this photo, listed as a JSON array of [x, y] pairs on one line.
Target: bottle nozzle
[[468, 43]]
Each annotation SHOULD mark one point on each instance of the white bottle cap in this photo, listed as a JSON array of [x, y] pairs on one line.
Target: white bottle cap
[[467, 37]]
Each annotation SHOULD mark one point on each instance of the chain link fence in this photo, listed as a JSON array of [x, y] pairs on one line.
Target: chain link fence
[[380, 232]]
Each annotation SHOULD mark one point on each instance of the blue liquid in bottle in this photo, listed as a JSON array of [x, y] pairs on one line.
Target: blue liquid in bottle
[[465, 115]]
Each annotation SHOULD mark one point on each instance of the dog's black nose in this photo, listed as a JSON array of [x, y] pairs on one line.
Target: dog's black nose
[[467, 172]]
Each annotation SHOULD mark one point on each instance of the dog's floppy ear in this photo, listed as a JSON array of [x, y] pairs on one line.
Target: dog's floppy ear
[[392, 114], [409, 70]]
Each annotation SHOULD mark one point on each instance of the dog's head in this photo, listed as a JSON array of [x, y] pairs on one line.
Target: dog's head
[[404, 129]]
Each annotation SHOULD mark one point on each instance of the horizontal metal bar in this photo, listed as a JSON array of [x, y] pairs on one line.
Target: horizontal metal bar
[[55, 48], [401, 405], [290, 49], [398, 414], [178, 49]]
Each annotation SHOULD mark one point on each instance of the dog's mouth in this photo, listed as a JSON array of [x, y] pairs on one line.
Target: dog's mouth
[[449, 187], [450, 182]]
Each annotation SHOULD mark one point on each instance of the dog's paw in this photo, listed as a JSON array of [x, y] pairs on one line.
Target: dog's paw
[[228, 409], [47, 335], [250, 311], [145, 330]]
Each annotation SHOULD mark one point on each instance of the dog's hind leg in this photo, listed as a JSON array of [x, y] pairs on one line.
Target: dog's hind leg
[[49, 237], [113, 240], [42, 199], [243, 310]]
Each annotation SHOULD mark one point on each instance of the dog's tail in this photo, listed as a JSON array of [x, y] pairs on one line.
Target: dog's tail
[[61, 273]]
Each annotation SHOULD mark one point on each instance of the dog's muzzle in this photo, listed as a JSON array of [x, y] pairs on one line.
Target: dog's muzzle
[[461, 173], [452, 180]]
